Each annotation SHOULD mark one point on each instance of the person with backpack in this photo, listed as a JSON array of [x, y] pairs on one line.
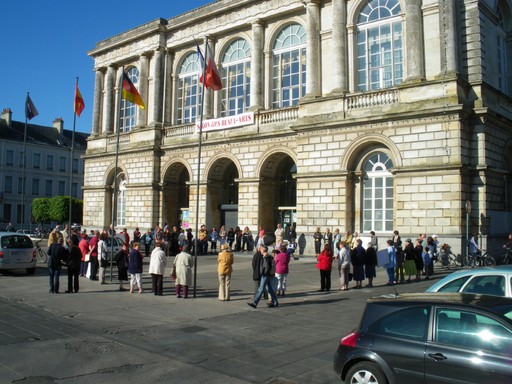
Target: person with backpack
[[267, 270]]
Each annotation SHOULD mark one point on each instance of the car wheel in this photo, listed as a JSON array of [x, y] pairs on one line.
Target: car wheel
[[365, 373], [31, 271]]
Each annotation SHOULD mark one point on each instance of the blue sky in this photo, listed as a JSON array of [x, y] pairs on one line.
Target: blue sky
[[45, 45]]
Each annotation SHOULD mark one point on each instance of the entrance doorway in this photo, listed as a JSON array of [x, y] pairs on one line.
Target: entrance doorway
[[277, 193], [222, 194]]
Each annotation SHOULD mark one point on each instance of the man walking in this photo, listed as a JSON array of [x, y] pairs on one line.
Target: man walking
[[267, 268]]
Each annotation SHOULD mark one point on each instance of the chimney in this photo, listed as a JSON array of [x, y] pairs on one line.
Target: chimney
[[7, 116], [58, 124]]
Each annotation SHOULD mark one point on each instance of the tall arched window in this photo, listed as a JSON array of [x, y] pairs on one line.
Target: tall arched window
[[236, 76], [379, 45], [378, 194], [289, 66], [128, 117], [501, 45], [189, 91], [121, 201]]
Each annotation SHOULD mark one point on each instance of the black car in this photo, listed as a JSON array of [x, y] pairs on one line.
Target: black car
[[429, 338]]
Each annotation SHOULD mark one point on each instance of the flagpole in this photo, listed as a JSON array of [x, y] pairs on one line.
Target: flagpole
[[199, 163], [71, 163], [114, 192], [23, 168]]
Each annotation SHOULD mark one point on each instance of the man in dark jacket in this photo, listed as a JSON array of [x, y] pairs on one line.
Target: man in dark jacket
[[74, 261], [256, 274], [56, 254], [267, 269]]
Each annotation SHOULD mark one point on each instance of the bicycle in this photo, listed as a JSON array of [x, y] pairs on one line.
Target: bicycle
[[42, 256], [479, 259], [446, 258], [506, 258]]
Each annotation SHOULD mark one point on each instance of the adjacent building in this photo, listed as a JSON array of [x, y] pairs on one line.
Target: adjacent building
[[360, 115], [43, 159]]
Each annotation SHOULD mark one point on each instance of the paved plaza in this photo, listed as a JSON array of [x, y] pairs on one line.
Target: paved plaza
[[101, 335]]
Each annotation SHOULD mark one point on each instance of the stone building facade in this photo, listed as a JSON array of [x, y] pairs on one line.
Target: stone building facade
[[42, 156], [360, 115]]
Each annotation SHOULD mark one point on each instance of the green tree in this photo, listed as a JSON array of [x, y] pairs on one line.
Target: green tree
[[41, 209], [56, 208]]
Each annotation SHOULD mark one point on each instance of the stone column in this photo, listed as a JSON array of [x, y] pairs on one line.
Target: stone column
[[208, 96], [313, 48], [96, 109], [414, 41], [168, 103], [339, 46], [257, 73], [109, 100], [158, 85], [143, 88], [448, 36]]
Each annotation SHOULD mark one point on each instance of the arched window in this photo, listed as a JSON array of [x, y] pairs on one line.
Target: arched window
[[121, 201], [379, 45], [189, 91], [378, 194], [236, 76], [128, 109], [501, 45], [289, 66]]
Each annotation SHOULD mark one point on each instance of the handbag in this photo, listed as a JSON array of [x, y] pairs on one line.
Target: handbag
[[87, 257]]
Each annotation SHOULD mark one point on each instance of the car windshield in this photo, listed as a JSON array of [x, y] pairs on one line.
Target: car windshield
[[16, 241]]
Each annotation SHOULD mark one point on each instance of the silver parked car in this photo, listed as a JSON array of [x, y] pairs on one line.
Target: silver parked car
[[17, 252], [495, 281]]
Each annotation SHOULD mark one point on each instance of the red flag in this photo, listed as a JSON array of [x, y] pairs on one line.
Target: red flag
[[79, 101], [130, 93], [212, 77]]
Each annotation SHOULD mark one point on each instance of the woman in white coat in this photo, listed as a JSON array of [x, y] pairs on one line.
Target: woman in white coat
[[157, 268], [183, 264]]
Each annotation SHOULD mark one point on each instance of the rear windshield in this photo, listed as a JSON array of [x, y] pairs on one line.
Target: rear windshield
[[15, 241]]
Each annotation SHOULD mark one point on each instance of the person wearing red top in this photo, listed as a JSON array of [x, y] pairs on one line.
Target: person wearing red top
[[324, 264], [282, 260], [83, 245]]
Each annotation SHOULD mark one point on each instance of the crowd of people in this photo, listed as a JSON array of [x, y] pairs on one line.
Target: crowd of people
[[87, 255], [404, 261]]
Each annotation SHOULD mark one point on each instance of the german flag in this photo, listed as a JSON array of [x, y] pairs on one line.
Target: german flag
[[130, 93]]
